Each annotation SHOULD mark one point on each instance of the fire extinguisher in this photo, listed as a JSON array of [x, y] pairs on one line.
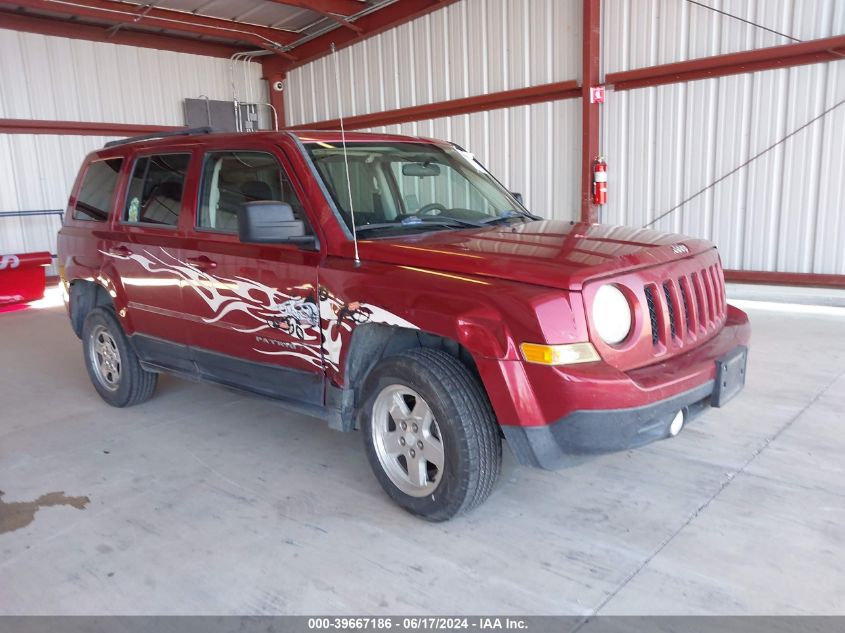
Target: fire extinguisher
[[600, 181]]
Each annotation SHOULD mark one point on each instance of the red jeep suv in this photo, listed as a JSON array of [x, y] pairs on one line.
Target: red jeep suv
[[391, 284]]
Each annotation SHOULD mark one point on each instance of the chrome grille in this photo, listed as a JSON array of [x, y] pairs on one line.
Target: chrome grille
[[686, 308], [667, 292], [652, 313]]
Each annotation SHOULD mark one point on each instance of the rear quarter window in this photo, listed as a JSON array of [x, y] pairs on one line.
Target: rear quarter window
[[95, 199]]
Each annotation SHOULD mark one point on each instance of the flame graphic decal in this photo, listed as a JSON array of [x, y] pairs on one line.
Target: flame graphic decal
[[319, 330]]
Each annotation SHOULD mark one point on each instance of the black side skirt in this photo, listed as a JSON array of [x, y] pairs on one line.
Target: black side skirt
[[296, 387]]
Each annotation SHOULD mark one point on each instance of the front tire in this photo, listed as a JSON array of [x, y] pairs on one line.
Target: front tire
[[112, 363], [430, 434]]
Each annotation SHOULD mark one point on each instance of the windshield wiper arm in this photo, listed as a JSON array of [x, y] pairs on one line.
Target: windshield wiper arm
[[401, 226], [509, 214], [415, 222], [446, 219]]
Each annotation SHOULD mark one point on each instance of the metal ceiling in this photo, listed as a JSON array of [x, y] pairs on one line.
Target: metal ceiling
[[279, 26]]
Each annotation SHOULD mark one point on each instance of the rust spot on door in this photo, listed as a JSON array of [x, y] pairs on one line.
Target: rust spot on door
[[18, 514]]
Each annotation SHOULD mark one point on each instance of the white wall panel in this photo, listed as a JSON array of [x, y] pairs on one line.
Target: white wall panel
[[36, 174], [54, 78], [530, 149], [785, 211], [640, 33], [468, 48]]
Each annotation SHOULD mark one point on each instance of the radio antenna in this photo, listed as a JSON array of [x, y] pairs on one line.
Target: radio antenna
[[345, 155]]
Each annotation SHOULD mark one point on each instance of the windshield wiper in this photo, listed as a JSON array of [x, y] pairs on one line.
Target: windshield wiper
[[447, 219], [415, 222], [509, 214]]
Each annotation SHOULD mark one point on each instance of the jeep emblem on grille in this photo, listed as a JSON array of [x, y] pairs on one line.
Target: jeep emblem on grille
[[679, 249]]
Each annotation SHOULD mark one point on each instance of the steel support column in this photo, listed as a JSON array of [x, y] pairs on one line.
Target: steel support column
[[277, 97], [590, 76]]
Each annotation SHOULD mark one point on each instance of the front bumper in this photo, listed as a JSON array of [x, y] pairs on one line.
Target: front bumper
[[600, 410], [603, 431]]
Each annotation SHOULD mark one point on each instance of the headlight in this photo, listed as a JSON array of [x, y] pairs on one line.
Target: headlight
[[611, 314]]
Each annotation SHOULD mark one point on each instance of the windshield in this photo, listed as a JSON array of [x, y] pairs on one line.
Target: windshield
[[412, 186]]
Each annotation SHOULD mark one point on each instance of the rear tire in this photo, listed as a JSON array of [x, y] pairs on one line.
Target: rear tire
[[430, 434], [111, 362]]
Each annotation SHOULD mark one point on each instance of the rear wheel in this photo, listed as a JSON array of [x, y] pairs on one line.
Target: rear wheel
[[430, 434], [112, 363]]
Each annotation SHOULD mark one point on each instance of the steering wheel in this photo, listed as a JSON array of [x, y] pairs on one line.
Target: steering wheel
[[431, 208]]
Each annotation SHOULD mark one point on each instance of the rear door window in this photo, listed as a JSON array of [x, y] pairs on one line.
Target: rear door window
[[96, 195], [155, 190]]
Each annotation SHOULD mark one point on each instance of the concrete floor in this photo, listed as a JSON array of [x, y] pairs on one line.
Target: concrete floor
[[207, 501]]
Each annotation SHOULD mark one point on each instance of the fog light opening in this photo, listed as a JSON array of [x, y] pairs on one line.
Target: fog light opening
[[677, 423]]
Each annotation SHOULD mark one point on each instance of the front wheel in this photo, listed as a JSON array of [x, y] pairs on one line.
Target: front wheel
[[112, 363], [430, 434]]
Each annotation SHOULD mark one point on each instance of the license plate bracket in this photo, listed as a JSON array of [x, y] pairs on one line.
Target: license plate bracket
[[730, 376]]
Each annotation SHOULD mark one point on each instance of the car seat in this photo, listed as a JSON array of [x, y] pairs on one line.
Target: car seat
[[164, 203]]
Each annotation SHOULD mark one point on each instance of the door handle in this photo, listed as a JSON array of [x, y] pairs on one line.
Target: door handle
[[119, 251], [202, 262]]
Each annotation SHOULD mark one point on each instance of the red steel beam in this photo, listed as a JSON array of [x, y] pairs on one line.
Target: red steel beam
[[80, 31], [79, 128], [277, 97], [591, 76], [338, 7], [345, 23], [785, 279], [371, 24], [123, 13], [466, 105], [813, 51], [335, 10]]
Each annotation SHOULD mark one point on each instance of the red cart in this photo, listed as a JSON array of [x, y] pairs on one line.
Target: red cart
[[22, 277]]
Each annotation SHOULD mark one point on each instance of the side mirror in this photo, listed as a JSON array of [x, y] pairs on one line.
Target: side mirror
[[270, 222], [518, 197]]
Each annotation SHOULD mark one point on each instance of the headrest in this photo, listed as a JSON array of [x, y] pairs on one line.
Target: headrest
[[169, 189], [256, 190]]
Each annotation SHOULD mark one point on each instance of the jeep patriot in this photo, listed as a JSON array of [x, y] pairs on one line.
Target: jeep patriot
[[391, 284]]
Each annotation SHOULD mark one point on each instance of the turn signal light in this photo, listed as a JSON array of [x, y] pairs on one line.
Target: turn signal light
[[559, 354]]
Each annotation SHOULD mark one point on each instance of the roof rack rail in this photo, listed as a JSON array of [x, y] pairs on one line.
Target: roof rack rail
[[194, 131]]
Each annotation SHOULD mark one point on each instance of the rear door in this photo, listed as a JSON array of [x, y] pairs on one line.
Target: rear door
[[145, 254], [254, 308]]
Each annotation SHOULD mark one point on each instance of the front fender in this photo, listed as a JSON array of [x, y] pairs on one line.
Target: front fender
[[488, 317]]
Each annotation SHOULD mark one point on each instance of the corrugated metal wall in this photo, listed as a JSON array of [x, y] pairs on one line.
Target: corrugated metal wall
[[36, 173], [785, 211], [641, 33], [469, 48], [782, 212], [54, 78], [530, 149]]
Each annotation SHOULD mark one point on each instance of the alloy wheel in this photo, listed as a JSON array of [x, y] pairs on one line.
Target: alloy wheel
[[407, 440]]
